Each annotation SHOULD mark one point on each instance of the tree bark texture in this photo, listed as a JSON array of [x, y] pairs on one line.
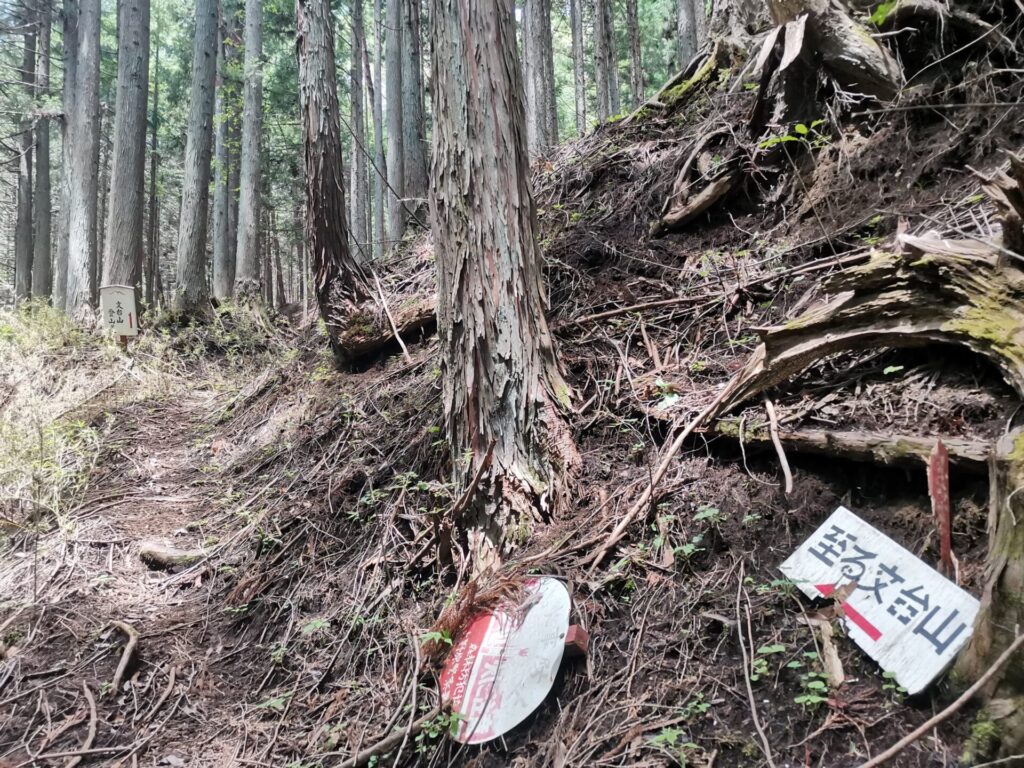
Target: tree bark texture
[[579, 65], [152, 250], [339, 281], [122, 261], [42, 258], [686, 31], [70, 60], [395, 128], [191, 292], [636, 67], [246, 276], [223, 250], [414, 139], [502, 385], [606, 61], [539, 77], [360, 181], [375, 85], [83, 170], [23, 249]]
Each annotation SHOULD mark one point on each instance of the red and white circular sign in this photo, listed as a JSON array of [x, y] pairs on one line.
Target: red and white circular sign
[[504, 664]]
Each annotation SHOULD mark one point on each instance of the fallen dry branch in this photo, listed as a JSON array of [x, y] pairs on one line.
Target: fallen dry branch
[[160, 556], [90, 737], [126, 654], [388, 743], [876, 447]]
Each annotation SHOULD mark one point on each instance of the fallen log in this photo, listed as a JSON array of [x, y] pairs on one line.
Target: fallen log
[[876, 447], [163, 557]]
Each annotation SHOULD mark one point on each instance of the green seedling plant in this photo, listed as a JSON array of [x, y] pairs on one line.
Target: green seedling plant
[[806, 134], [815, 689], [759, 664], [444, 723], [671, 741]]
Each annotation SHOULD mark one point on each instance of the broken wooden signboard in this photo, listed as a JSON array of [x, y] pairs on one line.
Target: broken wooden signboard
[[504, 664], [903, 613]]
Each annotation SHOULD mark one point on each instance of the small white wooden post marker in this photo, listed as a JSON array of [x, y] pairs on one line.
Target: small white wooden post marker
[[118, 312], [903, 613]]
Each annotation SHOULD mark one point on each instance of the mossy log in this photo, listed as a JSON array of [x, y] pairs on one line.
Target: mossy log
[[368, 332], [936, 291], [876, 447]]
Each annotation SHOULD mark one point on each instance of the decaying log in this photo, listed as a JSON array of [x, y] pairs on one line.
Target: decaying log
[[936, 291], [160, 556], [845, 48], [688, 209], [368, 330], [897, 450]]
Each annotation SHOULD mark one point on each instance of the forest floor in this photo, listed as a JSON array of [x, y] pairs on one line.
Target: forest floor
[[312, 495]]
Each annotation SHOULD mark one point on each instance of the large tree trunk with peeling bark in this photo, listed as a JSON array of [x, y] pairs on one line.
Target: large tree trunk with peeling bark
[[122, 261], [502, 385], [340, 282], [539, 76], [395, 123], [223, 249], [414, 141], [70, 60], [191, 292], [605, 60], [360, 218], [579, 65]]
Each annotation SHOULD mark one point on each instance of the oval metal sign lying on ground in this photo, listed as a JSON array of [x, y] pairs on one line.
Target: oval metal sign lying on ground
[[504, 664]]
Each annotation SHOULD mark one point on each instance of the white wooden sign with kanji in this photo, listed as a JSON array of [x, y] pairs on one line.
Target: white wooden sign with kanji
[[903, 613], [117, 310]]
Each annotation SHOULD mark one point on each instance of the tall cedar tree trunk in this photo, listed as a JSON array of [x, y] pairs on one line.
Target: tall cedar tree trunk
[[300, 257], [375, 86], [190, 293], [606, 61], [414, 139], [84, 163], [223, 252], [539, 75], [502, 385], [579, 65], [360, 181], [70, 60], [152, 250], [42, 271], [23, 249], [122, 261], [339, 280], [233, 51], [636, 68], [686, 31], [103, 164], [281, 297], [396, 170], [246, 275]]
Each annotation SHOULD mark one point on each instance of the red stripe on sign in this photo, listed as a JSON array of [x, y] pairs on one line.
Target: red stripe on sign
[[854, 615], [129, 319]]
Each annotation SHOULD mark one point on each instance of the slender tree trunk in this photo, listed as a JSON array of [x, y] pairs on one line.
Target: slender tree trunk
[[265, 256], [375, 86], [234, 108], [280, 299], [42, 271], [300, 257], [339, 280], [23, 248], [122, 261], [395, 151], [223, 252], [539, 74], [190, 294], [70, 59], [84, 163], [360, 181], [606, 57], [103, 176], [686, 31], [246, 280], [636, 68], [414, 139], [153, 271], [579, 65], [502, 384]]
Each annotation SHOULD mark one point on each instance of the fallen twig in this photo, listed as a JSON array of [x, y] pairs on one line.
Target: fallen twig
[[126, 655], [773, 426], [388, 743], [90, 737], [765, 746], [949, 711], [391, 320]]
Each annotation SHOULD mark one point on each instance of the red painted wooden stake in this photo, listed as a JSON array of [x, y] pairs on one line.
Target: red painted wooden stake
[[938, 489]]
